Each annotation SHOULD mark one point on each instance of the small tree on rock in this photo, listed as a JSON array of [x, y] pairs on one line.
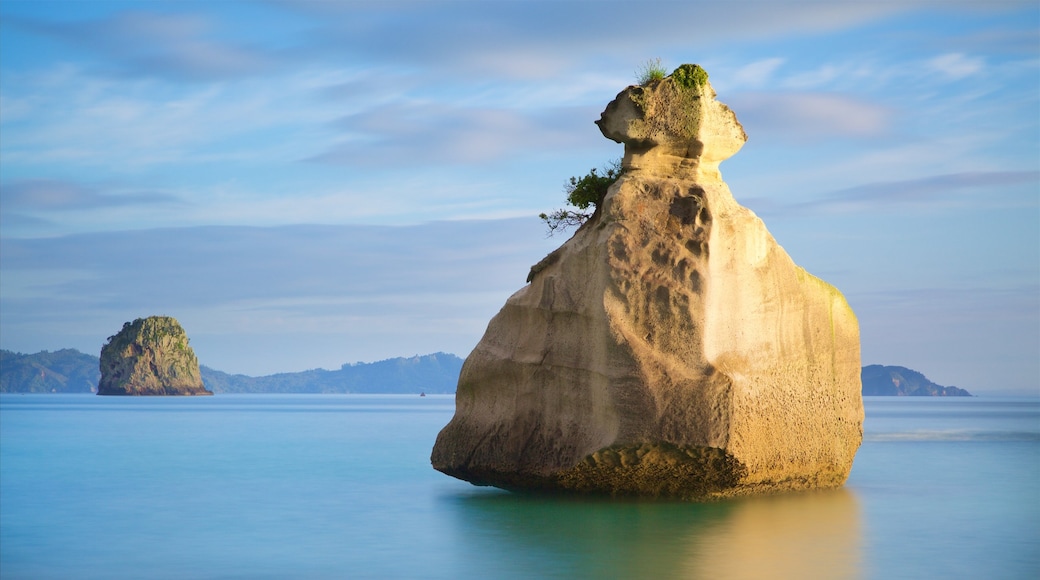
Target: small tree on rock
[[584, 195]]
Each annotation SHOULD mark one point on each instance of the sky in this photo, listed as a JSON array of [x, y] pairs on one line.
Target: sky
[[308, 184]]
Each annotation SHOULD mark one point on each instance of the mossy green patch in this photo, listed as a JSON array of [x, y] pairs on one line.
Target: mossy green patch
[[690, 76]]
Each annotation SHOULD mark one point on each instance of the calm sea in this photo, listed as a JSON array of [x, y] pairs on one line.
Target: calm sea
[[314, 486]]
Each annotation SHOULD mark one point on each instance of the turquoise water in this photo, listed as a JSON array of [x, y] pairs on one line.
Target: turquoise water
[[339, 486]]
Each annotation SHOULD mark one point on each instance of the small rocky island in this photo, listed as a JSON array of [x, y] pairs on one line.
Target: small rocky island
[[150, 356], [670, 348]]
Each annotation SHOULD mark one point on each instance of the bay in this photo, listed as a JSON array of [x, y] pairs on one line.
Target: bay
[[340, 486]]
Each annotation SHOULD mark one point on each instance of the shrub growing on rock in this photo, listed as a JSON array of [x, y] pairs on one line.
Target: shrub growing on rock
[[584, 194]]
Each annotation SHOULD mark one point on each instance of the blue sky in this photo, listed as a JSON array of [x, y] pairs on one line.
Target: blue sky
[[305, 184]]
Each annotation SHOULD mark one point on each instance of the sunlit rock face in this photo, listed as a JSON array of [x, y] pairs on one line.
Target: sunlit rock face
[[670, 347], [150, 356]]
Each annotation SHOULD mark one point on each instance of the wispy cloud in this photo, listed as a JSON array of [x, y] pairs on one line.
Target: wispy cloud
[[165, 265], [433, 286], [932, 188], [810, 116], [43, 205], [182, 46], [54, 195], [957, 66], [69, 118], [976, 188], [543, 40], [756, 74], [437, 133]]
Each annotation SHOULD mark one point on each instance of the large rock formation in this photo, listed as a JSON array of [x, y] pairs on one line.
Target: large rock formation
[[670, 347], [150, 356]]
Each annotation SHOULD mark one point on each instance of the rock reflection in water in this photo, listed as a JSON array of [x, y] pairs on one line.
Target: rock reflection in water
[[808, 535]]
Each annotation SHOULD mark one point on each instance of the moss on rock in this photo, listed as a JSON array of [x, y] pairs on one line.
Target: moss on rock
[[690, 76]]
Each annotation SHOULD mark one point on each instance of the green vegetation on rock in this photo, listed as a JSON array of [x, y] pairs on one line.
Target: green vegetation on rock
[[690, 76], [150, 356], [585, 195], [650, 71]]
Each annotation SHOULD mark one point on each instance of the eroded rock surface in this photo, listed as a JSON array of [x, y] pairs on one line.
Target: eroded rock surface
[[670, 347], [150, 356]]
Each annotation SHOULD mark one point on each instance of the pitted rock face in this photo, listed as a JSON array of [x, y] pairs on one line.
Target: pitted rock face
[[150, 356], [671, 347]]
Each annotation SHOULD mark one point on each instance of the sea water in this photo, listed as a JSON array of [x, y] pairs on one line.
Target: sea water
[[340, 486]]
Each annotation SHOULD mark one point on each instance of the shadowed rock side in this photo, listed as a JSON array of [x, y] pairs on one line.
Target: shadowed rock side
[[150, 356], [670, 347]]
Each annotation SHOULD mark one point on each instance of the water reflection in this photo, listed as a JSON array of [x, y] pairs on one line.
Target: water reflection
[[812, 535], [791, 536]]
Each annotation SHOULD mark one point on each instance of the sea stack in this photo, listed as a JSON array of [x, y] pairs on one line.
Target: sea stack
[[670, 348], [150, 356]]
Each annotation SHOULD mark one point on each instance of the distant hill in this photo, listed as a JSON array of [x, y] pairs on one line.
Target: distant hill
[[63, 371], [901, 381], [70, 371], [432, 373]]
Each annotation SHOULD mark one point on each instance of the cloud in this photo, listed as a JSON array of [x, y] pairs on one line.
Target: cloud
[[371, 291], [438, 39], [541, 39], [55, 195], [810, 116], [219, 265], [438, 133], [1020, 41], [149, 44], [756, 74], [932, 192], [44, 205], [957, 66], [69, 118], [930, 189]]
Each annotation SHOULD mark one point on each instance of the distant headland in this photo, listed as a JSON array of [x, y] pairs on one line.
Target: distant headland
[[71, 371], [879, 380]]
